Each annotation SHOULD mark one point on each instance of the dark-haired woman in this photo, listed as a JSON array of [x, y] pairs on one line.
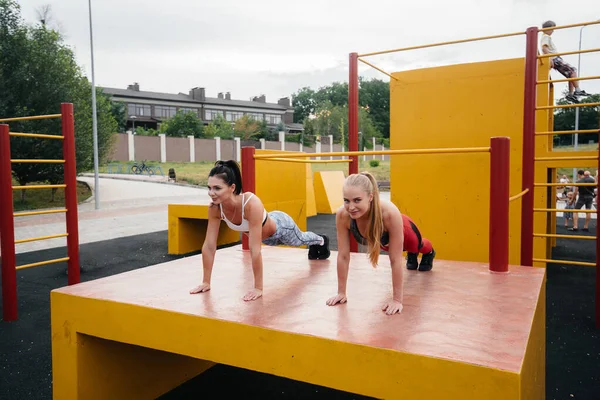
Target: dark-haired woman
[[383, 227], [245, 212]]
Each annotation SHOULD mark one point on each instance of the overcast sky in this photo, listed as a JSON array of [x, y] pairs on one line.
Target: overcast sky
[[275, 47]]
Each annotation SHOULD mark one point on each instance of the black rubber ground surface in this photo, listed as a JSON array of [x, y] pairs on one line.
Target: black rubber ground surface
[[573, 345]]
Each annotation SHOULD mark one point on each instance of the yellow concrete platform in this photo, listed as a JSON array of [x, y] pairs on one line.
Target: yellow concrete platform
[[187, 229], [465, 333]]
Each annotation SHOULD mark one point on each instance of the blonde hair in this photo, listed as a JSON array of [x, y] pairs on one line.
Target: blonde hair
[[367, 182]]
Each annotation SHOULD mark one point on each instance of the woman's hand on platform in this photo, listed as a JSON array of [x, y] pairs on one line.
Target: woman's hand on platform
[[337, 299], [253, 295], [392, 307], [205, 287]]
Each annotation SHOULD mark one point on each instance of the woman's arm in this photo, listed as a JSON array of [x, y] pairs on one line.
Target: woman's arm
[[343, 258], [392, 220], [209, 248], [254, 214]]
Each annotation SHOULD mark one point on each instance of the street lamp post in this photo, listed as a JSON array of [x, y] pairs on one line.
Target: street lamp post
[[133, 118], [94, 117]]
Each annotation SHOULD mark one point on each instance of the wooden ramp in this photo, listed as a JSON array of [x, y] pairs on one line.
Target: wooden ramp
[[464, 333]]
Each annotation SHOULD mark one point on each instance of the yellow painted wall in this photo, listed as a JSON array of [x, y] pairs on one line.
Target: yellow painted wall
[[328, 191], [311, 204], [457, 106], [282, 186]]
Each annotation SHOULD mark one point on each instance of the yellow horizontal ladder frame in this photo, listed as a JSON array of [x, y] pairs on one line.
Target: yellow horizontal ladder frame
[[310, 161], [28, 213], [31, 118], [568, 53], [39, 264], [34, 161], [36, 135], [568, 132], [572, 210], [577, 105], [552, 235], [28, 187], [564, 184], [555, 28], [441, 44], [567, 158], [375, 153], [585, 264], [35, 239], [583, 78]]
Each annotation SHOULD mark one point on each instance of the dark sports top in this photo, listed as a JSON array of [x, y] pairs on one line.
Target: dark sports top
[[385, 237]]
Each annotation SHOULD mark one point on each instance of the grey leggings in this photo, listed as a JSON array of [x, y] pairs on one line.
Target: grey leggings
[[288, 233]]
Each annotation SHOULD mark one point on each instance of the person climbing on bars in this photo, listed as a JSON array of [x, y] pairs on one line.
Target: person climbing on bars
[[383, 227], [565, 69], [244, 212]]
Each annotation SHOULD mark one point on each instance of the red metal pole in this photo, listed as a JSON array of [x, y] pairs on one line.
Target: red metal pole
[[499, 202], [597, 258], [7, 230], [353, 124], [68, 130], [248, 179], [529, 146]]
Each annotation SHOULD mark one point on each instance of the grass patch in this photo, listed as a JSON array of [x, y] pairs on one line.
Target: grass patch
[[36, 199]]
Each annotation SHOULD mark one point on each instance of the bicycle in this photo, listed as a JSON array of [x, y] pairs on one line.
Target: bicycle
[[140, 168]]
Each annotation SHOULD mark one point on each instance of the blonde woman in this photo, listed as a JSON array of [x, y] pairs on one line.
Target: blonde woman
[[379, 226]]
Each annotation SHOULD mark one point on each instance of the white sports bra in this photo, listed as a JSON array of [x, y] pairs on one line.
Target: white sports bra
[[244, 226]]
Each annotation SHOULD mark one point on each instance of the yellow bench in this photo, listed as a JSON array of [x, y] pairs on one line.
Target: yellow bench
[[187, 228]]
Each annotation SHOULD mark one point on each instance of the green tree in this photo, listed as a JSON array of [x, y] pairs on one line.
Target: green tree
[[119, 113], [219, 127], [304, 104], [183, 124], [374, 95], [589, 118], [246, 127], [38, 72]]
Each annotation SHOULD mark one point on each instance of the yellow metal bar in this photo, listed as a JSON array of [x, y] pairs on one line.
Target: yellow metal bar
[[519, 195], [564, 236], [375, 153], [580, 158], [568, 53], [35, 135], [568, 106], [27, 214], [568, 132], [35, 239], [310, 161], [39, 187], [583, 78], [37, 264], [565, 184], [563, 210], [377, 68], [585, 264], [441, 44], [554, 28], [36, 161], [31, 118]]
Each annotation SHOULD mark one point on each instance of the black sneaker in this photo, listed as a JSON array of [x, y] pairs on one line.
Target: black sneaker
[[313, 252], [323, 251], [572, 98], [581, 93], [411, 261], [427, 261]]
